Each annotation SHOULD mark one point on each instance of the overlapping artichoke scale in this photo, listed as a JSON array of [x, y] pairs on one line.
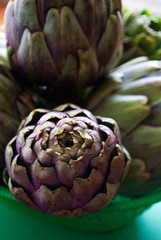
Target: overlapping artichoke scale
[[146, 142], [56, 37], [77, 199], [15, 104], [70, 164], [136, 106], [144, 175], [142, 35]]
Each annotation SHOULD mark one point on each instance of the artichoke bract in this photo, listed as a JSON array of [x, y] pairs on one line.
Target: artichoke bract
[[142, 35], [66, 161], [67, 44], [14, 106], [133, 99]]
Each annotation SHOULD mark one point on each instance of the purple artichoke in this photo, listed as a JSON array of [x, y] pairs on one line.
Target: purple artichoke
[[15, 104], [66, 161], [65, 44]]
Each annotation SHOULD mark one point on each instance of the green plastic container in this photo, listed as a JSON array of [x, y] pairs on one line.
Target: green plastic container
[[118, 214]]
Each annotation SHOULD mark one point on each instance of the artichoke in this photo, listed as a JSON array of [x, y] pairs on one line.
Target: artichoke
[[142, 35], [66, 161], [132, 96], [15, 105], [63, 44]]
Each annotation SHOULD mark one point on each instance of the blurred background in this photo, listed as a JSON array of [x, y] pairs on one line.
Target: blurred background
[[2, 8], [153, 5]]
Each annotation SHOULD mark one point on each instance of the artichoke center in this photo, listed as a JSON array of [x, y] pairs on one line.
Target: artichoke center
[[66, 141]]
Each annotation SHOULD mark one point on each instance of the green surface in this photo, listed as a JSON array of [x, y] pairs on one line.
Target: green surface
[[117, 214], [19, 222], [16, 225]]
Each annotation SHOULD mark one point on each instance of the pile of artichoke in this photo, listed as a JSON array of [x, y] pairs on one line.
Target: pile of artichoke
[[76, 127]]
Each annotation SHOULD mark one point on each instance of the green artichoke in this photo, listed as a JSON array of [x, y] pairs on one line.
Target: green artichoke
[[63, 44], [132, 96], [66, 161], [14, 106], [142, 35]]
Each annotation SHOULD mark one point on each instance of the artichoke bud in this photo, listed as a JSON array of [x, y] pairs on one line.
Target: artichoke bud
[[67, 44], [136, 106], [142, 35], [15, 105], [66, 161]]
